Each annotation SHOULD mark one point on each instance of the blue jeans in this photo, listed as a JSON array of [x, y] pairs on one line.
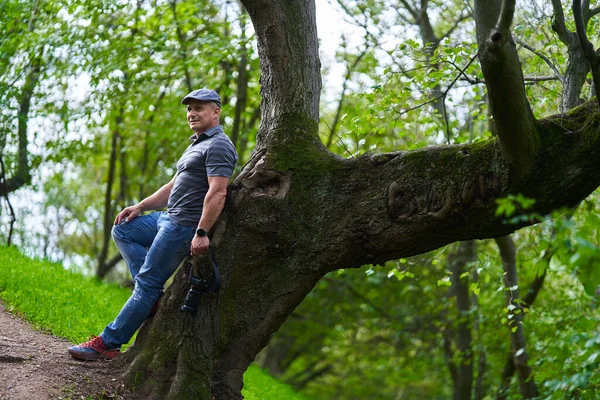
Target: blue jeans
[[153, 246]]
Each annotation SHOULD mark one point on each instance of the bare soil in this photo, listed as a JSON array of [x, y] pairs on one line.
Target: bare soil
[[35, 365]]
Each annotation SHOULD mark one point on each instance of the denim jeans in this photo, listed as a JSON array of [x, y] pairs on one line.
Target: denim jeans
[[153, 246]]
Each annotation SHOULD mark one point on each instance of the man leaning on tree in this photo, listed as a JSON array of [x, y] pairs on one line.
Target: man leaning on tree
[[154, 245]]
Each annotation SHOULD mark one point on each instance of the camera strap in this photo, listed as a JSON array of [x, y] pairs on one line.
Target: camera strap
[[215, 281]]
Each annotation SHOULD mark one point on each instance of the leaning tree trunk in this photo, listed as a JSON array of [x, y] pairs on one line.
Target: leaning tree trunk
[[298, 211]]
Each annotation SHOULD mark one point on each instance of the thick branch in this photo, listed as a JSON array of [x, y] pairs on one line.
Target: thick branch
[[435, 196], [506, 17], [290, 67], [558, 23], [512, 116]]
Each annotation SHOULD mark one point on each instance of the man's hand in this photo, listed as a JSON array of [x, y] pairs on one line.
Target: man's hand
[[199, 245], [128, 214]]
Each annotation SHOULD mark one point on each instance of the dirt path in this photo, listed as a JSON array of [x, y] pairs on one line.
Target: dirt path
[[36, 366]]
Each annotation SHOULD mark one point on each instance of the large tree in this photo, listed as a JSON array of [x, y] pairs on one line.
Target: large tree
[[297, 211]]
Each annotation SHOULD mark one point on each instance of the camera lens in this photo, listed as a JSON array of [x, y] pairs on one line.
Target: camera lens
[[192, 300]]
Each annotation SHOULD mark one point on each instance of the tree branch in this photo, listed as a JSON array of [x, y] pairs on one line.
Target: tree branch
[[461, 207], [349, 71], [558, 23], [506, 17], [587, 46], [410, 9], [460, 19], [533, 79], [548, 62], [512, 117]]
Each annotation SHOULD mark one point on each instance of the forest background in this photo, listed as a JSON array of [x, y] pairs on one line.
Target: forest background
[[91, 122]]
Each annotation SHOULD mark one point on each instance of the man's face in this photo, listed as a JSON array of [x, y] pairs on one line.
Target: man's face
[[202, 115]]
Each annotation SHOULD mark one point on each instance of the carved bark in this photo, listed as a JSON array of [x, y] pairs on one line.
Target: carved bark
[[297, 211]]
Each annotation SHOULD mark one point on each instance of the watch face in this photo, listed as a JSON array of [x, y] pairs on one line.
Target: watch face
[[201, 232]]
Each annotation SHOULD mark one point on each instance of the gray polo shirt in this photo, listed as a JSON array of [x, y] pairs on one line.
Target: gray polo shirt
[[210, 154]]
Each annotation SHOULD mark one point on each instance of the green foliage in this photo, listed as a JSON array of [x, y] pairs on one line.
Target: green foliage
[[112, 77], [72, 306]]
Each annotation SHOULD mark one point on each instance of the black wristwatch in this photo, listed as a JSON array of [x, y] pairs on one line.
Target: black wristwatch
[[201, 232]]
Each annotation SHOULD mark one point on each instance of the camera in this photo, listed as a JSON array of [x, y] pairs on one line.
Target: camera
[[199, 286], [192, 299]]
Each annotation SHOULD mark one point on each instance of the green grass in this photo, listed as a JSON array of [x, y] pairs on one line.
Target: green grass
[[259, 385], [56, 300], [70, 305]]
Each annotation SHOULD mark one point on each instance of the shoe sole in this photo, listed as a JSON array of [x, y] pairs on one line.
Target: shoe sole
[[89, 357]]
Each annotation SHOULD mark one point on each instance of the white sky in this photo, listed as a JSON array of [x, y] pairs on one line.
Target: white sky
[[330, 26]]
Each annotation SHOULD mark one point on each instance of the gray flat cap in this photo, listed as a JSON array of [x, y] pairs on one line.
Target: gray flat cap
[[202, 95]]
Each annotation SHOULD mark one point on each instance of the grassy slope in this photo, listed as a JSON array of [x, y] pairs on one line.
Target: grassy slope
[[72, 306]]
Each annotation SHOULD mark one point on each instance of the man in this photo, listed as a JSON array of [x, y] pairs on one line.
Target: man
[[154, 245]]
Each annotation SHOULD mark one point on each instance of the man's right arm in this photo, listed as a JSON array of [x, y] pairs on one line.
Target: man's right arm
[[155, 201]]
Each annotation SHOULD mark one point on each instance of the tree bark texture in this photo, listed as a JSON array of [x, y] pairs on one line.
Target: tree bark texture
[[577, 65], [297, 211], [512, 116], [290, 69]]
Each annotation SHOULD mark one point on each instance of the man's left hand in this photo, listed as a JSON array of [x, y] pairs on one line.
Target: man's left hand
[[199, 245]]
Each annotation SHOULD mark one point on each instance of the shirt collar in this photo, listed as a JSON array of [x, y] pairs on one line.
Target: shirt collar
[[206, 134]]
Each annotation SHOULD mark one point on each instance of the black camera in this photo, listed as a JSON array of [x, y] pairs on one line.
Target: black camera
[[192, 299], [200, 286]]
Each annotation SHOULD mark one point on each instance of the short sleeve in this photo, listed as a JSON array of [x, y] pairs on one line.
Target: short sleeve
[[221, 158]]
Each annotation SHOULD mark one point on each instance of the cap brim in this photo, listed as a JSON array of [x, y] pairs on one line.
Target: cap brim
[[187, 99]]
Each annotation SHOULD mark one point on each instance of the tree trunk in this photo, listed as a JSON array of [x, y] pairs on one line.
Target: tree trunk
[[463, 385], [22, 176], [520, 357], [297, 211], [102, 268]]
